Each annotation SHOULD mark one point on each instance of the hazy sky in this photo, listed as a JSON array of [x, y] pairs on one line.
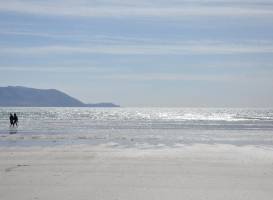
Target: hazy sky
[[140, 52]]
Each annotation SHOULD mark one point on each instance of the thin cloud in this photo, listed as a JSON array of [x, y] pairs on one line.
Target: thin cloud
[[55, 69], [181, 48], [30, 33], [139, 9], [110, 74], [264, 67], [166, 77], [262, 77]]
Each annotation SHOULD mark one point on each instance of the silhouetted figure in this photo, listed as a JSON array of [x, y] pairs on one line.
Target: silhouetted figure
[[11, 119], [15, 120]]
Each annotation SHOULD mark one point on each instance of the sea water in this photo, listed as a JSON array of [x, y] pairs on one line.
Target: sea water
[[137, 127]]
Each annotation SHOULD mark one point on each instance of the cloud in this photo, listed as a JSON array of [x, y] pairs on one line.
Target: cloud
[[31, 33], [114, 8], [244, 78], [110, 74], [179, 48], [167, 77], [70, 69]]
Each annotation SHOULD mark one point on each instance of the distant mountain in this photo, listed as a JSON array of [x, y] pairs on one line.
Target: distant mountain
[[30, 97]]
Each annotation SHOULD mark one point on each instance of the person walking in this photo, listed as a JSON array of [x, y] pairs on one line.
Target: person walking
[[15, 120], [11, 120]]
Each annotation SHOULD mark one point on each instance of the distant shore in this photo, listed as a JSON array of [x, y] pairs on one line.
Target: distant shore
[[18, 96]]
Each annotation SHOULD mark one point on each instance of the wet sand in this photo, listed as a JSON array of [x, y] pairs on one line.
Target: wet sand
[[103, 172]]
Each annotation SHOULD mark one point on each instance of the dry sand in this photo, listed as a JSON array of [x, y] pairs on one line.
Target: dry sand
[[101, 172]]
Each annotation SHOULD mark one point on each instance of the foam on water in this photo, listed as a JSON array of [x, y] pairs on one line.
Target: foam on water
[[132, 126]]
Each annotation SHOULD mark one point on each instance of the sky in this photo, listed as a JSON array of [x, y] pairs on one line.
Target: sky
[[139, 53]]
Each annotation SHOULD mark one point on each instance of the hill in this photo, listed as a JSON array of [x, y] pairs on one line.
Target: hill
[[30, 97]]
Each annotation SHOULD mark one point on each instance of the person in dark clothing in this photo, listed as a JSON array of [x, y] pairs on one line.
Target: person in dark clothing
[[11, 119], [15, 120]]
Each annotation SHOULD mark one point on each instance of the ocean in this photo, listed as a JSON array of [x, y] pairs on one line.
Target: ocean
[[137, 127]]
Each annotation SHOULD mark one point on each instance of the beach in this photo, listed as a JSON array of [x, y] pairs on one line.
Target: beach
[[136, 100], [107, 172], [137, 153]]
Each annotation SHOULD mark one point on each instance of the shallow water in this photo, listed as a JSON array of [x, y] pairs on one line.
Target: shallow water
[[141, 127]]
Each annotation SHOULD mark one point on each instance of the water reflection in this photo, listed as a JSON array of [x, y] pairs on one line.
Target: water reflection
[[12, 130]]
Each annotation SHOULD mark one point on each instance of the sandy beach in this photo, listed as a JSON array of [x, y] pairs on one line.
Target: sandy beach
[[103, 172], [136, 100]]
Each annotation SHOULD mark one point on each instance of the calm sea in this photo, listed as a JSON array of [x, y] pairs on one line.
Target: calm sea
[[142, 127]]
